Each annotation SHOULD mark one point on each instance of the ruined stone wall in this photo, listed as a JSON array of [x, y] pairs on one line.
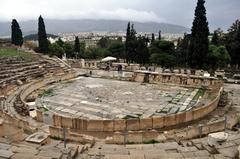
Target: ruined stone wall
[[57, 132], [180, 79], [189, 133]]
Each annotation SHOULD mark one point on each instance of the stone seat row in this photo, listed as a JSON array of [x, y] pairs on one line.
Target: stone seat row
[[12, 60], [23, 76], [5, 66], [10, 72]]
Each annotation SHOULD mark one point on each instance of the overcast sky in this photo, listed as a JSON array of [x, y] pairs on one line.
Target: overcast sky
[[221, 13]]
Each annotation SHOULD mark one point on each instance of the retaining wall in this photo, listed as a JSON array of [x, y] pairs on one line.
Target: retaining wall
[[189, 133]]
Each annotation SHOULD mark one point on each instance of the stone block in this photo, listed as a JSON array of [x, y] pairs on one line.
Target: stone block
[[158, 122], [202, 153], [6, 153], [189, 116], [39, 115], [24, 149], [119, 138], [139, 77], [108, 125], [150, 135], [95, 125], [119, 125], [57, 120], [133, 124], [214, 138], [180, 118], [170, 120], [67, 122], [50, 154], [111, 156], [146, 124], [23, 156], [4, 146], [231, 152], [137, 156], [135, 137]]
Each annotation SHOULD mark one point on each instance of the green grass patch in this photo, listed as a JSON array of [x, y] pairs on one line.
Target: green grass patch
[[56, 138], [45, 109], [151, 142], [47, 93], [211, 96], [200, 93], [15, 53]]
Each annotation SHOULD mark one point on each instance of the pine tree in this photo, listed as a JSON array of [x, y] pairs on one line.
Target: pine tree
[[160, 35], [199, 38], [42, 36], [16, 37]]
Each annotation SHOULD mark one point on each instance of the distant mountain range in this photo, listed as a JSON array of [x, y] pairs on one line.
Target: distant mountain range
[[71, 26]]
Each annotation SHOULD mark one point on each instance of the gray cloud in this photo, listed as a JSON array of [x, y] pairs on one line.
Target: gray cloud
[[221, 13]]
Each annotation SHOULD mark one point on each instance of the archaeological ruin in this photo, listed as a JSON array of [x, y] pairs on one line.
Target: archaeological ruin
[[46, 101]]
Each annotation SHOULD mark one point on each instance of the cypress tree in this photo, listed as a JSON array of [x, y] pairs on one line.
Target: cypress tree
[[133, 43], [199, 38], [77, 46], [42, 36], [128, 41], [16, 37], [160, 35], [182, 51], [133, 33], [153, 38]]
